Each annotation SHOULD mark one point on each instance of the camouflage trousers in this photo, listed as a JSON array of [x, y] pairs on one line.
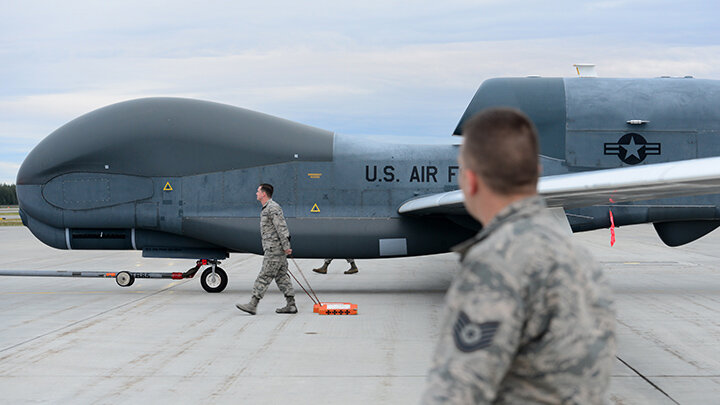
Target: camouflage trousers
[[328, 261], [273, 268]]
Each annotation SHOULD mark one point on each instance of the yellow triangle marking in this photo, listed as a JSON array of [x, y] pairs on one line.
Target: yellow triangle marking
[[167, 187], [315, 208]]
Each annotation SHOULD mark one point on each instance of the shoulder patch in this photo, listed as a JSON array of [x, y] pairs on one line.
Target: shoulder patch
[[471, 336]]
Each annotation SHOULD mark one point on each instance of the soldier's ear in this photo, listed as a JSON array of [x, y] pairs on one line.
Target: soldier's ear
[[469, 182]]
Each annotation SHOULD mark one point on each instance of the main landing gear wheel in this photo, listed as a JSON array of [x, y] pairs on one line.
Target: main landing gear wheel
[[214, 283], [124, 279]]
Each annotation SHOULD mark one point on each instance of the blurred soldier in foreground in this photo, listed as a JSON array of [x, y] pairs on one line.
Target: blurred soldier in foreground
[[323, 270], [529, 317], [276, 247]]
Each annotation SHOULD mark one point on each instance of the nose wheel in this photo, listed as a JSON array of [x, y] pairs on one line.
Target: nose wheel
[[214, 279]]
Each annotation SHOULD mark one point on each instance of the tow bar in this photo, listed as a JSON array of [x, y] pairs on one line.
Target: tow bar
[[214, 279]]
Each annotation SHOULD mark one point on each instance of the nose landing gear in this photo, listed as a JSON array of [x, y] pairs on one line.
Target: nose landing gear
[[214, 279]]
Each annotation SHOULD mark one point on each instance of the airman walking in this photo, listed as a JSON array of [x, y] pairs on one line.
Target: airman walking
[[276, 246]]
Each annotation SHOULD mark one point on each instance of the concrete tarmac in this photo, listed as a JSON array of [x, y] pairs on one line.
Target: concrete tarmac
[[67, 340]]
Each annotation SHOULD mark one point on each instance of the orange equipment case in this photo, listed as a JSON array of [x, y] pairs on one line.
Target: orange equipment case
[[335, 308]]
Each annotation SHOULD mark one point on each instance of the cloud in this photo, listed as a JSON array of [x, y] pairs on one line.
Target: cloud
[[308, 83], [8, 172], [402, 69]]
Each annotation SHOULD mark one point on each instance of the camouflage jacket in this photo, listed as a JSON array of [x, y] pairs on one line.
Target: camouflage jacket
[[528, 318], [273, 230]]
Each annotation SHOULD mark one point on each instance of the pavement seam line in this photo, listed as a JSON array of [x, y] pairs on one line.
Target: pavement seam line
[[647, 379]]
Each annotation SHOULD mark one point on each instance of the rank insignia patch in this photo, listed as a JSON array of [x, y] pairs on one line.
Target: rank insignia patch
[[471, 336]]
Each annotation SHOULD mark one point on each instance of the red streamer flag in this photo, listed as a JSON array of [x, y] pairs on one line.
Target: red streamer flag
[[612, 229]]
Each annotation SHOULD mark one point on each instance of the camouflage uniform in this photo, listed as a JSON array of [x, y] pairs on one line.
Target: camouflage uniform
[[528, 319], [275, 241]]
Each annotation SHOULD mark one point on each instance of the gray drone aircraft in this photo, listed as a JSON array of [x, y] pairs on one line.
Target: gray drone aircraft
[[176, 178]]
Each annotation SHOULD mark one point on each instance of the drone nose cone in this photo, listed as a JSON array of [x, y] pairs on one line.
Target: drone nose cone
[[23, 217], [30, 169], [42, 219], [162, 136], [29, 190], [26, 192], [74, 147]]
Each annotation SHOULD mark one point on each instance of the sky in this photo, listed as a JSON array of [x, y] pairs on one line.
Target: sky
[[394, 70]]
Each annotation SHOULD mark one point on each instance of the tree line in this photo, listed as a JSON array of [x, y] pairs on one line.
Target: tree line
[[8, 195]]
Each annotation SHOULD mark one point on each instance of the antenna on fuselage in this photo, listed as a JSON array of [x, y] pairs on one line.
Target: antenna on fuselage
[[586, 69]]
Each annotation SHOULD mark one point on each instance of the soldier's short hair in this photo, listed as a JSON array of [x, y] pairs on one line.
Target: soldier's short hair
[[267, 188], [501, 146]]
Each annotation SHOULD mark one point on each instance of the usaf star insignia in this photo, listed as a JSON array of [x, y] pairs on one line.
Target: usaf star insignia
[[632, 148], [471, 336]]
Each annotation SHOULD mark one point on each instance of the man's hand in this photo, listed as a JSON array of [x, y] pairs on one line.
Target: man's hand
[[288, 252]]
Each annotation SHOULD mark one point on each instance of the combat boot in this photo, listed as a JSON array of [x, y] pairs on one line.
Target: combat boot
[[353, 269], [323, 269], [290, 308], [250, 307]]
